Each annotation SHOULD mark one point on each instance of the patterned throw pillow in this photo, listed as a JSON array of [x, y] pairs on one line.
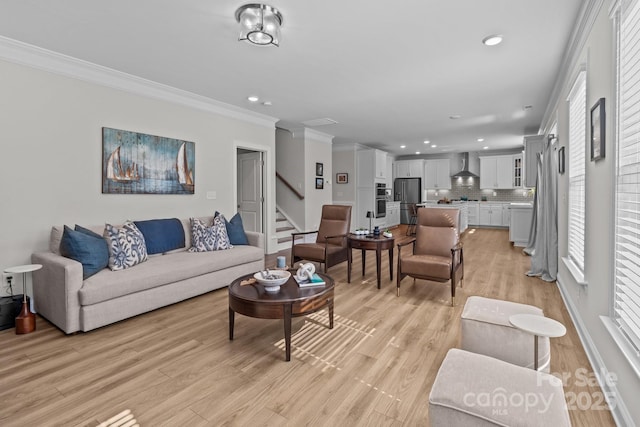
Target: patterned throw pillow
[[205, 238], [126, 246]]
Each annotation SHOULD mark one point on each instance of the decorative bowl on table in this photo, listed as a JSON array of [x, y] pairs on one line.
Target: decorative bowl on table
[[272, 279]]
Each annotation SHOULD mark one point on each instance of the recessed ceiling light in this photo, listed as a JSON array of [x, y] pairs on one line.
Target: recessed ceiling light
[[267, 103], [492, 40], [417, 152], [426, 141], [480, 139], [253, 98], [403, 146], [434, 146], [485, 148], [455, 116]]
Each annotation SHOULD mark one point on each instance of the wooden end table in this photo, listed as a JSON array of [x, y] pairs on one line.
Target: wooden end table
[[377, 244], [288, 302]]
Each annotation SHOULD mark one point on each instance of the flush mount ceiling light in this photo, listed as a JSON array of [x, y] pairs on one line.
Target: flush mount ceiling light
[[492, 40], [253, 98], [259, 24], [480, 139]]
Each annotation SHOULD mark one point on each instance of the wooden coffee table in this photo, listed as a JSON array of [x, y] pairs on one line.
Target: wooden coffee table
[[290, 301], [377, 244]]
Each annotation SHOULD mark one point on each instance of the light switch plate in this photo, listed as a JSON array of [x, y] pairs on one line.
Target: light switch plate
[[211, 195]]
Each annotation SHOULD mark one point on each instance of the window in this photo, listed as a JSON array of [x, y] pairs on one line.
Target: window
[[627, 230], [577, 148]]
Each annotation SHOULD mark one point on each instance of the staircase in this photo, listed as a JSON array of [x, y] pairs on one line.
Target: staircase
[[283, 232]]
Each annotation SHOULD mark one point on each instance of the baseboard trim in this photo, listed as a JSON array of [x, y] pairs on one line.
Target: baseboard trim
[[619, 410]]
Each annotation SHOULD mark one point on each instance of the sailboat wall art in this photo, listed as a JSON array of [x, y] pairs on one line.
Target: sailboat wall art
[[137, 163]]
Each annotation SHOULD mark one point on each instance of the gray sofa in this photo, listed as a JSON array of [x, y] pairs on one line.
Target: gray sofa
[[72, 304]]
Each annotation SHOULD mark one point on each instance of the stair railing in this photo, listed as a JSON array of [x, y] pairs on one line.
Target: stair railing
[[289, 186]]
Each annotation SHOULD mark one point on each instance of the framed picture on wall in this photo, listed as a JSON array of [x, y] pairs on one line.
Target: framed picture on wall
[[319, 183], [597, 130], [319, 169], [342, 178]]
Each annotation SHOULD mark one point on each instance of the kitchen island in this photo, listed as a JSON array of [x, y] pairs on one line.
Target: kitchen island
[[461, 206], [520, 223]]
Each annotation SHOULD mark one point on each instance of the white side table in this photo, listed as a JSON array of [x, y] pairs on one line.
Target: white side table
[[26, 320], [538, 326]]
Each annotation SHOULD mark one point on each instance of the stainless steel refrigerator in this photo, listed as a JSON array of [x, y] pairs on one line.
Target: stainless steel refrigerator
[[407, 191]]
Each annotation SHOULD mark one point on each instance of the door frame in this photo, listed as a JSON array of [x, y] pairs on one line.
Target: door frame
[[267, 184]]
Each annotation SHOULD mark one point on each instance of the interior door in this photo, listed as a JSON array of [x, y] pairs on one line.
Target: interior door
[[250, 198]]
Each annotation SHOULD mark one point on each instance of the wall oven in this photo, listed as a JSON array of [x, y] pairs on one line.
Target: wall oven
[[381, 201]]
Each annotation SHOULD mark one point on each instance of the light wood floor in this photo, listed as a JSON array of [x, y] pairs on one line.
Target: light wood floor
[[176, 367]]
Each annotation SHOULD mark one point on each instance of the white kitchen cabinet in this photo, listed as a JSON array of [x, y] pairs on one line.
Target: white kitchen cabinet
[[393, 214], [532, 147], [474, 213], [437, 174], [381, 164], [371, 167], [518, 171], [491, 215], [520, 223], [496, 172], [506, 214], [409, 168], [389, 177]]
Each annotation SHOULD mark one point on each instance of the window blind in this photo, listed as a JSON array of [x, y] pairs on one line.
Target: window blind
[[577, 148], [627, 246]]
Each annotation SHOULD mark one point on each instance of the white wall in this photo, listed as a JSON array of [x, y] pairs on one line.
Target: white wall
[[317, 150], [52, 157], [588, 303], [344, 161]]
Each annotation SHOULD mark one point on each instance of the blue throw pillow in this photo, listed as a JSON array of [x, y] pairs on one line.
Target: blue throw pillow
[[235, 230], [86, 247], [162, 235]]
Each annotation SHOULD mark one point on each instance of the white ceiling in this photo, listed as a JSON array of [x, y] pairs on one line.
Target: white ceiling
[[390, 73]]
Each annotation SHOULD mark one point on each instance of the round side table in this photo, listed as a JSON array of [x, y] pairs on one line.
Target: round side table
[[26, 320], [538, 326]]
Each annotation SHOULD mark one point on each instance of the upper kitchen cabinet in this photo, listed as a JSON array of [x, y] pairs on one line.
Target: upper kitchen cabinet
[[381, 164], [371, 167], [532, 147], [518, 170], [496, 172], [437, 174], [389, 177], [409, 168]]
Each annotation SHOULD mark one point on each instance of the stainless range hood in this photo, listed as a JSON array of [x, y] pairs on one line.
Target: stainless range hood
[[465, 173]]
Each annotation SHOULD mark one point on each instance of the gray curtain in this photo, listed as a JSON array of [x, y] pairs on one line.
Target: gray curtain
[[543, 236]]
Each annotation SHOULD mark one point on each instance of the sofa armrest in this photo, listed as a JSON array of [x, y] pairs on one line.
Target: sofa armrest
[[55, 290], [255, 239]]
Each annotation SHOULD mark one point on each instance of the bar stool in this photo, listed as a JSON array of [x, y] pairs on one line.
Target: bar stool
[[413, 217]]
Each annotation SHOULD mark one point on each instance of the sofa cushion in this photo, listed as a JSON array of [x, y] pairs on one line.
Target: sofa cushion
[[161, 235], [86, 247], [126, 246], [162, 270], [205, 238], [235, 230]]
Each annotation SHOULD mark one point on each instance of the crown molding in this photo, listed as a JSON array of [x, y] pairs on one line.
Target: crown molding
[[57, 63], [306, 133], [581, 30]]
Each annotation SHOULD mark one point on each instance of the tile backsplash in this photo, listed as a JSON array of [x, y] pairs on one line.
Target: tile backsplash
[[470, 188]]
